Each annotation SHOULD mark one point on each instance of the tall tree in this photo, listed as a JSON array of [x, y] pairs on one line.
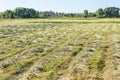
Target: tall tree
[[31, 13], [111, 12], [100, 13], [19, 12], [8, 14], [85, 14]]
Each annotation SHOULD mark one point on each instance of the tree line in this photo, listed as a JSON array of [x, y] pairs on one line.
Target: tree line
[[21, 12]]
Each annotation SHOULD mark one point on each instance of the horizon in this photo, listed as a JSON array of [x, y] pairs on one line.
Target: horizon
[[59, 6]]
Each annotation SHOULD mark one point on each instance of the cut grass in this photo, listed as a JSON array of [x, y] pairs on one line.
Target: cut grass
[[84, 45]]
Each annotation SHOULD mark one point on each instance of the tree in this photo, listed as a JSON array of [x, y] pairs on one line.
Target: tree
[[92, 15], [7, 14], [31, 13], [37, 14], [100, 13], [111, 12], [47, 14], [19, 12], [61, 14], [51, 14], [71, 15], [42, 14], [85, 14]]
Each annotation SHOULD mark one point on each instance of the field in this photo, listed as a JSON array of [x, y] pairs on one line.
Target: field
[[49, 49]]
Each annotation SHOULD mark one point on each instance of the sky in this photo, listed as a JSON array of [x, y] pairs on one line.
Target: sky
[[68, 6]]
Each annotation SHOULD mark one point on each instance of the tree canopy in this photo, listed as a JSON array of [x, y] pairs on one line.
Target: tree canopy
[[111, 12], [21, 12]]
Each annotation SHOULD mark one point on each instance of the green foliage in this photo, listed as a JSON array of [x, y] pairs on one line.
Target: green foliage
[[92, 14], [108, 12], [45, 14], [111, 12], [21, 12], [85, 14], [100, 13], [7, 14]]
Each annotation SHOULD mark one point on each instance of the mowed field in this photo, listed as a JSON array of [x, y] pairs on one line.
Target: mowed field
[[49, 49]]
